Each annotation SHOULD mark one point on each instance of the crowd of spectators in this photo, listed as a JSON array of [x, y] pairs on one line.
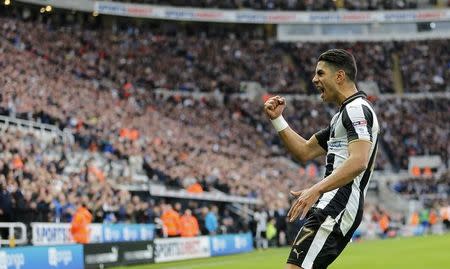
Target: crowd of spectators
[[57, 77], [422, 129], [198, 63], [34, 187], [179, 139], [433, 187], [422, 69], [308, 5], [201, 63], [380, 222]]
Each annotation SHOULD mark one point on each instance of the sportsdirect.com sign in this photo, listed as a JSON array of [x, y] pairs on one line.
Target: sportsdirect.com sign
[[59, 233], [174, 249], [268, 17]]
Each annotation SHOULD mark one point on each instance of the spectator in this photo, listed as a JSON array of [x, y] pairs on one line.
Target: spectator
[[202, 220], [384, 224], [271, 233], [195, 188], [445, 215], [261, 218], [80, 225], [171, 220], [211, 222], [424, 217], [5, 208], [189, 224]]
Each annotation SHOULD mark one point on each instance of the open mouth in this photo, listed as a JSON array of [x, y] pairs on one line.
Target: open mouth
[[320, 88]]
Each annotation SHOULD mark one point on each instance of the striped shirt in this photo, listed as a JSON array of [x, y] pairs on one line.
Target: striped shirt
[[356, 120]]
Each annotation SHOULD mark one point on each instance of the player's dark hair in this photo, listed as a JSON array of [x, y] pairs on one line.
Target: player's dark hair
[[341, 59]]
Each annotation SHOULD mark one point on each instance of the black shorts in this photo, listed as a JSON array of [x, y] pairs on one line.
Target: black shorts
[[318, 243]]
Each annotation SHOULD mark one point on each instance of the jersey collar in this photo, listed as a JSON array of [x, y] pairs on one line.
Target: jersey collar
[[358, 94]]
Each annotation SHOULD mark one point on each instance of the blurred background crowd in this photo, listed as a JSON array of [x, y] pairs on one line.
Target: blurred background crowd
[[94, 83]]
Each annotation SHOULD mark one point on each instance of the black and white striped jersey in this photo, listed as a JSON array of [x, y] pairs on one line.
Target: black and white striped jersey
[[356, 120]]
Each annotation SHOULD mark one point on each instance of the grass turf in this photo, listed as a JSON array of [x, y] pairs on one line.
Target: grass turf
[[428, 252]]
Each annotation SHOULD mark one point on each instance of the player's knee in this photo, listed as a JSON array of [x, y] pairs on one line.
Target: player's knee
[[292, 266]]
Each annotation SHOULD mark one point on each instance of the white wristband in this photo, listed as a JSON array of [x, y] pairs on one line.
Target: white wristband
[[280, 123]]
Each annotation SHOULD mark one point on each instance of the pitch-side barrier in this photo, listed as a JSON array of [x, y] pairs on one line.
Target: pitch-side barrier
[[100, 255]]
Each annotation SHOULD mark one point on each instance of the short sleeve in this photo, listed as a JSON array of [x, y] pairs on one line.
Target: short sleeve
[[358, 121], [323, 136]]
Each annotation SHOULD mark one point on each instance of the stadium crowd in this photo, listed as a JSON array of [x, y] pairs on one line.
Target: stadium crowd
[[379, 222], [422, 70], [308, 5], [198, 62], [60, 76], [424, 186], [416, 131], [211, 146], [34, 188]]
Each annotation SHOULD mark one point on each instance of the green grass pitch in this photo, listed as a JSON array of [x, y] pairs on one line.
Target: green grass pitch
[[428, 252]]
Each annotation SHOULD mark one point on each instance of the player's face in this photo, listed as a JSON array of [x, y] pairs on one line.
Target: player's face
[[324, 81]]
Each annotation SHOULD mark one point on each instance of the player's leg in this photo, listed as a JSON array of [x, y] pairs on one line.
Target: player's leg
[[317, 244], [258, 239], [340, 241], [265, 242], [303, 240]]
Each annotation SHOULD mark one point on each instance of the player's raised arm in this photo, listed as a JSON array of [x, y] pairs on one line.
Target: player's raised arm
[[299, 147]]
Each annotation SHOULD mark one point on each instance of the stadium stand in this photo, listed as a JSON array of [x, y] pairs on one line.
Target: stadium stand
[[180, 158], [428, 188], [93, 64], [419, 114], [193, 63], [114, 90], [286, 4]]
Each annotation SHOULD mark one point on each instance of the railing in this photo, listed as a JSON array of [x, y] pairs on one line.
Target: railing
[[11, 226], [34, 126], [162, 191]]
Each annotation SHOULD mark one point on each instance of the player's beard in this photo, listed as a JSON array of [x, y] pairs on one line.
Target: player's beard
[[327, 93]]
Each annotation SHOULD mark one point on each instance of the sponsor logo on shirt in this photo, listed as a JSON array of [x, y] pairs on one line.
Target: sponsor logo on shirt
[[360, 123], [337, 144]]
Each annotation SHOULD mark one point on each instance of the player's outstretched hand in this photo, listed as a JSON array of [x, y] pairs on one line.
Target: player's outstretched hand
[[306, 199], [274, 106]]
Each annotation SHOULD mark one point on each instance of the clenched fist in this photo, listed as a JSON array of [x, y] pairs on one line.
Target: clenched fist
[[274, 106]]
